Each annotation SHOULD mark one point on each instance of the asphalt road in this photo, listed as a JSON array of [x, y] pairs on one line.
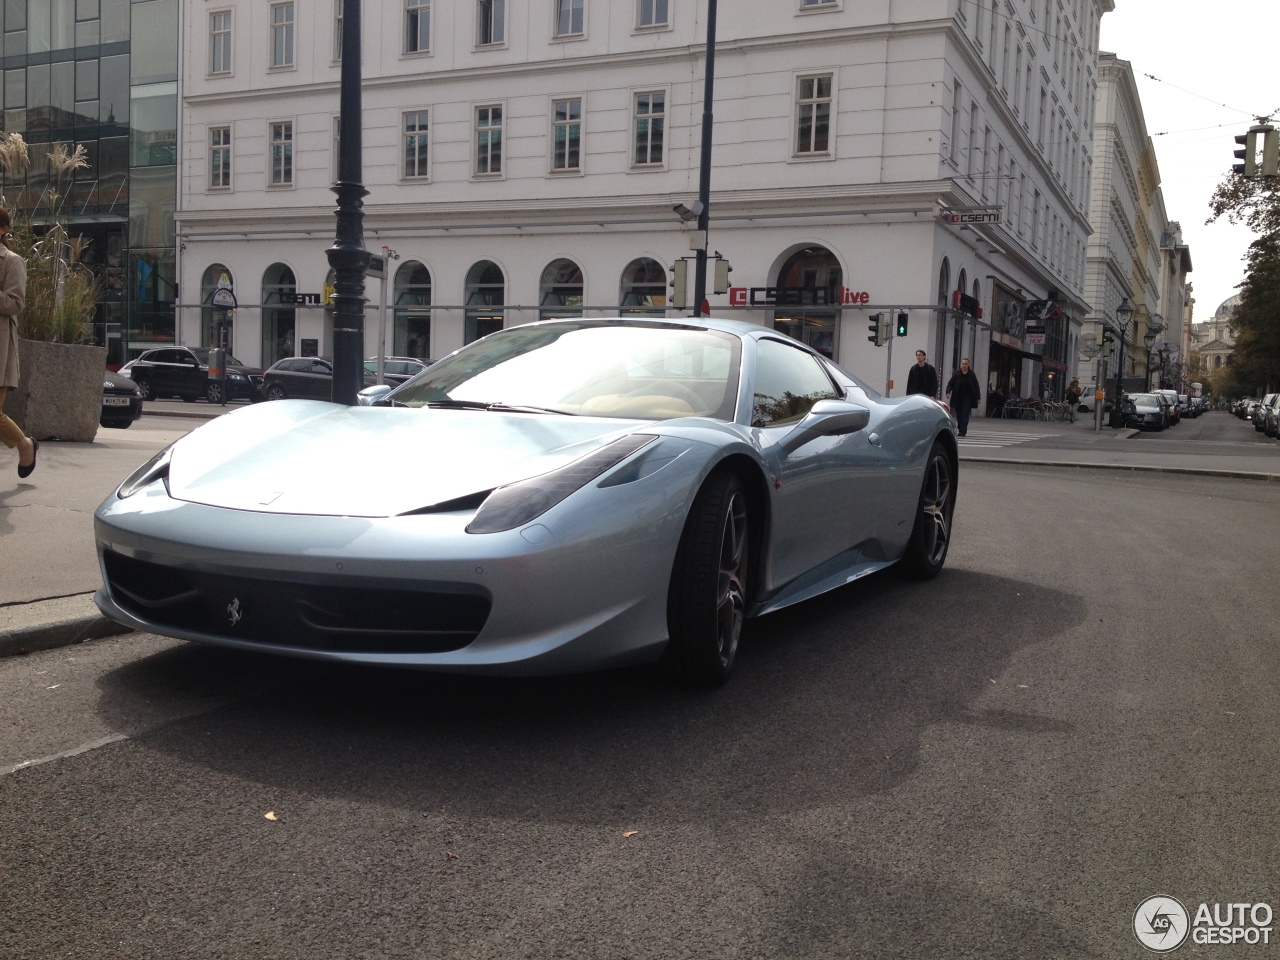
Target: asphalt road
[[1080, 713]]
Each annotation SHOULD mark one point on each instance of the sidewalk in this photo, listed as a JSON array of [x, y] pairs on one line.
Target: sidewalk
[[49, 569]]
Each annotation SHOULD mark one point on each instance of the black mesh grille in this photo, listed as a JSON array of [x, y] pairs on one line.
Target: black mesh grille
[[330, 617]]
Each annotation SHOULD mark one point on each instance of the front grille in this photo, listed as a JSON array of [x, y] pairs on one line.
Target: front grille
[[331, 617]]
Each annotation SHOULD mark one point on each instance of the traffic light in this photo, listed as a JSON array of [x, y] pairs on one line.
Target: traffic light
[[1249, 154], [680, 284], [1270, 152], [877, 329], [723, 270], [1108, 342], [902, 324]]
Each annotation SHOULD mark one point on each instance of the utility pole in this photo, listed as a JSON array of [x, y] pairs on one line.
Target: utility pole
[[704, 173], [348, 256]]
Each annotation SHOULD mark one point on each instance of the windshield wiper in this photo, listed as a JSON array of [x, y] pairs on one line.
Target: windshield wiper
[[494, 406]]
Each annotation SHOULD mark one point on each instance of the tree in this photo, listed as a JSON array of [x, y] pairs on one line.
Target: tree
[[1256, 203]]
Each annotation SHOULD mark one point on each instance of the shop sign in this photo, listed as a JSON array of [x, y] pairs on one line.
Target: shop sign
[[224, 298], [301, 299], [1013, 343], [1036, 334], [966, 304], [970, 216], [797, 297]]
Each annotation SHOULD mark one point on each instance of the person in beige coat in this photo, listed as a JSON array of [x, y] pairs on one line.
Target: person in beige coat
[[13, 297]]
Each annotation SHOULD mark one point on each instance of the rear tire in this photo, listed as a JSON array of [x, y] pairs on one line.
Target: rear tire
[[707, 599], [931, 535]]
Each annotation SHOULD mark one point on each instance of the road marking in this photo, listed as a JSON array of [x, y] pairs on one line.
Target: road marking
[[73, 752], [998, 438]]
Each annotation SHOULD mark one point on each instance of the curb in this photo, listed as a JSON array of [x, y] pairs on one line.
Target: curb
[[1141, 468], [63, 633]]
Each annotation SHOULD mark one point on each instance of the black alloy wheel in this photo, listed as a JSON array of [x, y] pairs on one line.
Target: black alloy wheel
[[145, 388], [931, 535], [707, 600], [213, 391]]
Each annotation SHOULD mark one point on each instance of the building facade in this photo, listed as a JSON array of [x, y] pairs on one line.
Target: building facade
[[1135, 253], [523, 160], [102, 74], [1215, 340]]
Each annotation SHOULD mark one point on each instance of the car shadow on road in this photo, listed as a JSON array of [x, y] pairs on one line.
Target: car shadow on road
[[831, 699]]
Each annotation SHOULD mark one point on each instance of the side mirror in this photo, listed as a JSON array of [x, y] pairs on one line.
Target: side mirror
[[827, 418], [372, 396]]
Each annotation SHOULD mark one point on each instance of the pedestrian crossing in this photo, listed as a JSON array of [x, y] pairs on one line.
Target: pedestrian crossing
[[998, 438]]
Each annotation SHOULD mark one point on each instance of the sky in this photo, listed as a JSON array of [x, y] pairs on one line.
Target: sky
[[1211, 60]]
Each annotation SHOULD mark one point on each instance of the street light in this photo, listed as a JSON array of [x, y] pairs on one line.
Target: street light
[[1124, 313]]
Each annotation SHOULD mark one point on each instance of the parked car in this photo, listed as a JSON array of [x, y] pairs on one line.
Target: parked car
[[1271, 418], [396, 370], [559, 496], [302, 378], [121, 401], [184, 372], [1259, 416], [1175, 415], [1145, 411]]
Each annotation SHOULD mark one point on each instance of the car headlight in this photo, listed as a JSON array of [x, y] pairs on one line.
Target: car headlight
[[151, 471], [235, 376], [516, 504]]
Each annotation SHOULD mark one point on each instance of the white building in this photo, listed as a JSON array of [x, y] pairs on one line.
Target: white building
[[523, 159], [1136, 252]]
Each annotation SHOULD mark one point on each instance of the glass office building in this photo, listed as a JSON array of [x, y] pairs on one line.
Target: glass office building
[[102, 74]]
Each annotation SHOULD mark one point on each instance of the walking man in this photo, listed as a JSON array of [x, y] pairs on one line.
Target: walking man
[[922, 378], [963, 393]]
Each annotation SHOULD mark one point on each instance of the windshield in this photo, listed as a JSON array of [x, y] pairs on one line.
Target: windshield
[[596, 369], [1147, 402]]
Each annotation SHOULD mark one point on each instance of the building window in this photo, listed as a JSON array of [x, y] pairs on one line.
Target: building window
[[337, 30], [973, 139], [489, 140], [411, 334], [492, 26], [417, 26], [650, 126], [944, 282], [813, 114], [220, 42], [569, 14], [652, 13], [561, 291], [957, 93], [818, 4], [485, 291], [566, 135], [415, 143], [219, 157], [282, 35], [282, 154], [644, 289]]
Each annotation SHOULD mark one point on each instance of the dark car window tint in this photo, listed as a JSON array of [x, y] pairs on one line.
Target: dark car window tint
[[788, 383], [320, 367]]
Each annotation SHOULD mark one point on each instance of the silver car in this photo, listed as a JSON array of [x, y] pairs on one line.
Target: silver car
[[554, 497]]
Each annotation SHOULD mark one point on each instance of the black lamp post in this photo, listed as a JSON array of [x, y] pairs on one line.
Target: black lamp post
[[1124, 313], [348, 256], [704, 169], [1149, 338]]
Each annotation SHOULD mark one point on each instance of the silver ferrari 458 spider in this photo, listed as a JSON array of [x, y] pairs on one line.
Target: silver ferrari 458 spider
[[566, 495]]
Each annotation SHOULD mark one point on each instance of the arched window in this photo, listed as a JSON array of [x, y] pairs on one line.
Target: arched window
[[944, 282], [215, 319], [809, 284], [644, 289], [561, 290], [411, 327], [977, 291], [279, 327], [486, 292], [963, 285]]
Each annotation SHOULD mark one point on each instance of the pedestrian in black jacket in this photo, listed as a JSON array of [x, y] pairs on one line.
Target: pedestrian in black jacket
[[922, 378], [963, 393]]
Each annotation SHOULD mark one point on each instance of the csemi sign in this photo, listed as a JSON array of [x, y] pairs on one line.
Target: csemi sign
[[797, 297]]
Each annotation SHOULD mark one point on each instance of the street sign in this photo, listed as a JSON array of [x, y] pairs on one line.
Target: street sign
[[1036, 334], [224, 298], [377, 266]]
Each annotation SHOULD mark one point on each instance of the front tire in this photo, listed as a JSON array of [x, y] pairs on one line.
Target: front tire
[[931, 535], [275, 392], [145, 388], [707, 600]]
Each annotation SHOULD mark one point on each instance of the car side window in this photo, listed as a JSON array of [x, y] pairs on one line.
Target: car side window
[[322, 368], [788, 383]]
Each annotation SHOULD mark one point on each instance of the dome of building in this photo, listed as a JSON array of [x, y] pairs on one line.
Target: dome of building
[[1228, 306]]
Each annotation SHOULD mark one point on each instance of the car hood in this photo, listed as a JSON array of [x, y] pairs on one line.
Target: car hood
[[312, 457]]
